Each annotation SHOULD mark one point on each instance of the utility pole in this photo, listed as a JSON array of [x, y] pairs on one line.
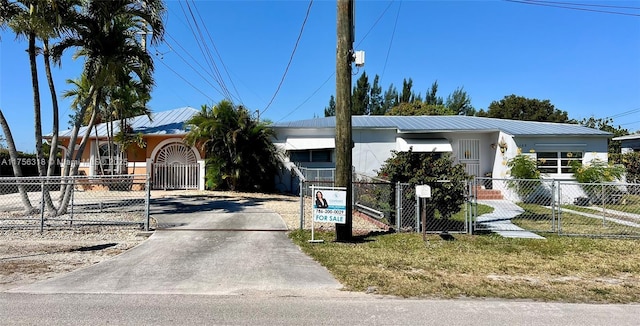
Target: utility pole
[[344, 58]]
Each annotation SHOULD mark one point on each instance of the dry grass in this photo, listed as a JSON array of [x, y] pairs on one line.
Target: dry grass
[[556, 269]]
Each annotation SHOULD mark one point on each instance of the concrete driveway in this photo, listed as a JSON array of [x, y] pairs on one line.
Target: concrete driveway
[[203, 247]]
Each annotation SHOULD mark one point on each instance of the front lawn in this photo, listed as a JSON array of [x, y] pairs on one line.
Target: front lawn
[[556, 269]]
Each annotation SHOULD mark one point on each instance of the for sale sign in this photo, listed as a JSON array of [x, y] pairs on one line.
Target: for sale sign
[[329, 205]]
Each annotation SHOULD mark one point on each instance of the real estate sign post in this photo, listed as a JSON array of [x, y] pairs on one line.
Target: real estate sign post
[[329, 206]]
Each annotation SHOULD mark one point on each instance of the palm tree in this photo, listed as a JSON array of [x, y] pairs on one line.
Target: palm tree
[[40, 19], [105, 34], [239, 151]]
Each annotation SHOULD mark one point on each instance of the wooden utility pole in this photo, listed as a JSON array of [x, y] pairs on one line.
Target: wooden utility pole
[[344, 57]]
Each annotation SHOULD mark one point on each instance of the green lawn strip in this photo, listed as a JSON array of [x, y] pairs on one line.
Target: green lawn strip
[[539, 218], [557, 269], [460, 216]]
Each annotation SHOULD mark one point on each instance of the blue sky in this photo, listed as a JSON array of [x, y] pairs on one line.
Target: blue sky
[[586, 63]]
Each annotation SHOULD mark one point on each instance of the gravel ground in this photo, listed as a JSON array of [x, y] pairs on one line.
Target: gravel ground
[[27, 256]]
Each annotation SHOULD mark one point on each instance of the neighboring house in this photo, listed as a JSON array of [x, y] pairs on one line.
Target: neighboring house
[[629, 143], [170, 163], [483, 145]]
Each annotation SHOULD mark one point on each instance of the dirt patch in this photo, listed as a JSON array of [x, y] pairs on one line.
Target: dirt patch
[[27, 256]]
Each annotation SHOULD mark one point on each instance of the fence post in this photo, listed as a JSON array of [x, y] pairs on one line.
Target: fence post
[[418, 203], [398, 206], [604, 207], [147, 202], [73, 191], [301, 186], [559, 228], [553, 204], [468, 209], [42, 206]]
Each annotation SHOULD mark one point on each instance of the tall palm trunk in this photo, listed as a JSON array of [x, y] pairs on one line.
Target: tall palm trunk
[[56, 119], [71, 165], [17, 170], [56, 127], [36, 103]]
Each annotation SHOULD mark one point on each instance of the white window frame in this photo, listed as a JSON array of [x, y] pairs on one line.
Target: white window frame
[[563, 161]]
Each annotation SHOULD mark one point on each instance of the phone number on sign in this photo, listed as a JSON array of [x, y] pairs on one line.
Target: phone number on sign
[[331, 211]]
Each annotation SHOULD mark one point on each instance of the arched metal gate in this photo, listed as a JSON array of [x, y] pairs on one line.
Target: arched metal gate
[[175, 167]]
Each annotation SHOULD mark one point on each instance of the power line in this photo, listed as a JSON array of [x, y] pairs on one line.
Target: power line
[[386, 59], [529, 2], [204, 49], [308, 98], [290, 58], [198, 72], [375, 23], [186, 81], [333, 74], [622, 114], [584, 4], [215, 48]]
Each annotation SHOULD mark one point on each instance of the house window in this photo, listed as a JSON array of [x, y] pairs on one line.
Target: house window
[[110, 160], [557, 162], [315, 155]]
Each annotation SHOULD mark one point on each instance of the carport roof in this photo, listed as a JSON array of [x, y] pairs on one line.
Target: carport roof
[[415, 124]]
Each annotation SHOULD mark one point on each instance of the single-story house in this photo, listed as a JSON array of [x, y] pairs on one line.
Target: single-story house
[[483, 145], [629, 143], [171, 163]]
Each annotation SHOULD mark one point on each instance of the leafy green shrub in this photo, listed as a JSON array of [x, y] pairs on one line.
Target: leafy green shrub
[[597, 171], [429, 168], [523, 169], [631, 162]]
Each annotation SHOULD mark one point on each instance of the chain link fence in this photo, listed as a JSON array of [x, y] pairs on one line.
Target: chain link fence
[[441, 212], [65, 202], [558, 206]]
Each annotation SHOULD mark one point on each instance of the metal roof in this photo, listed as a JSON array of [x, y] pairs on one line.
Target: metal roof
[[450, 123], [169, 122], [627, 137]]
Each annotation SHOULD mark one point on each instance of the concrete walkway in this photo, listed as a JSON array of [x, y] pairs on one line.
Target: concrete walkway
[[499, 221], [224, 247]]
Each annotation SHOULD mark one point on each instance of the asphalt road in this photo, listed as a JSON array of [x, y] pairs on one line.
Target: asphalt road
[[230, 263], [118, 309]]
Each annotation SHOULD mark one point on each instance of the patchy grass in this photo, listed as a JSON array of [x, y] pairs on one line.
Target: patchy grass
[[557, 269], [539, 218]]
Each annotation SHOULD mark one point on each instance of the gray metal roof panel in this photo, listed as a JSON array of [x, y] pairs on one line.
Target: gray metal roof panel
[[169, 122], [411, 124], [627, 137]]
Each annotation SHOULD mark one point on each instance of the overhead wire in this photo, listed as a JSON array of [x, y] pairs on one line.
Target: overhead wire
[[215, 48], [206, 53], [216, 70], [548, 4], [307, 99], [295, 47], [186, 81], [188, 63], [333, 73], [622, 114], [584, 4], [386, 59]]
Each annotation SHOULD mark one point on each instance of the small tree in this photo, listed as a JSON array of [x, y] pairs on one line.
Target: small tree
[[428, 168]]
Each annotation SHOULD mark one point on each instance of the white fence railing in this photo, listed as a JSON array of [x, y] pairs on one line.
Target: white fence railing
[[175, 176]]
